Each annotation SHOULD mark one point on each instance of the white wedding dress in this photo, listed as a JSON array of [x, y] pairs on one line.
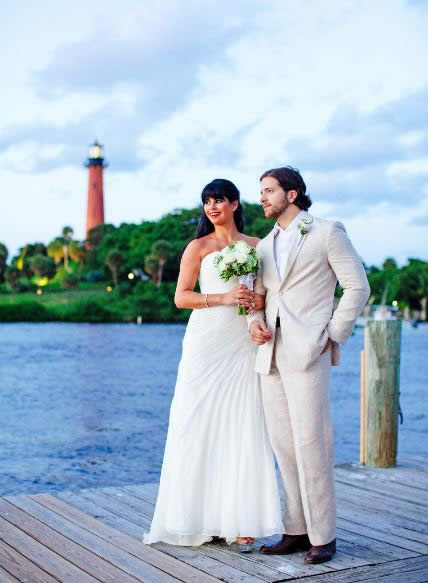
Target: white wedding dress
[[218, 475]]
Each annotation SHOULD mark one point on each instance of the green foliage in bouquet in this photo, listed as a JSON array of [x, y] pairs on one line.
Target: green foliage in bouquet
[[236, 259]]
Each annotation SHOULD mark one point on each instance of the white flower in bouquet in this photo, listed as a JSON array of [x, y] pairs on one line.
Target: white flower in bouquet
[[241, 256], [222, 265], [238, 260]]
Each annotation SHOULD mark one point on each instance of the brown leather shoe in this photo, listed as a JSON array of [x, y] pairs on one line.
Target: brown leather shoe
[[290, 543], [321, 553]]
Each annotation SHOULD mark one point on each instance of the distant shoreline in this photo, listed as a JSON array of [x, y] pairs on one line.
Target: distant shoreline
[[94, 304]]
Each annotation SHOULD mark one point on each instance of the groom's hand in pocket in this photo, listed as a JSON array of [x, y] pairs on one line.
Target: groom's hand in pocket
[[327, 346], [259, 332]]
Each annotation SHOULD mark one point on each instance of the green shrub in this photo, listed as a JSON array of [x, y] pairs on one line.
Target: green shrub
[[89, 311], [28, 311]]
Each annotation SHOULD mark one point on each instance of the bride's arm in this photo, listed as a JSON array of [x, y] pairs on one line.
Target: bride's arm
[[185, 297]]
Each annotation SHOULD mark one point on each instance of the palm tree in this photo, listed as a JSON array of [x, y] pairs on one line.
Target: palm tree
[[41, 265], [56, 250], [67, 233], [151, 266], [162, 251], [113, 261], [78, 253]]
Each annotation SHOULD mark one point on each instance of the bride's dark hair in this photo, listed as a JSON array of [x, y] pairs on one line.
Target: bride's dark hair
[[219, 188]]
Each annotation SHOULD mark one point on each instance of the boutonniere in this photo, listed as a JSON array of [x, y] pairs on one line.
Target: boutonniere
[[304, 225]]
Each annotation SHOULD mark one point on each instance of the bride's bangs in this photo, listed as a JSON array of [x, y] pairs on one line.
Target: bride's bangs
[[220, 188], [212, 194]]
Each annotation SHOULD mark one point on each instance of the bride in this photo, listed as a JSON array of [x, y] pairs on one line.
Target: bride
[[218, 476]]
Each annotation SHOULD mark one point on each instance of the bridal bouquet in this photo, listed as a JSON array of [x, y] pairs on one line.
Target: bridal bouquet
[[238, 260]]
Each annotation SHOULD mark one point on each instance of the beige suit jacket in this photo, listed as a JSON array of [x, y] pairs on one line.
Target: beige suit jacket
[[303, 297]]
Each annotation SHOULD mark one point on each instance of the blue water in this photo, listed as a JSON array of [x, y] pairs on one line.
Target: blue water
[[87, 405]]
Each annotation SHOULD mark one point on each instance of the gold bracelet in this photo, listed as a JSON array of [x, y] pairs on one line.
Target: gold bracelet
[[206, 300]]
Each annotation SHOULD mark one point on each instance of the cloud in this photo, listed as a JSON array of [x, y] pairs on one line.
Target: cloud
[[159, 49], [353, 140], [422, 220], [111, 124], [151, 58]]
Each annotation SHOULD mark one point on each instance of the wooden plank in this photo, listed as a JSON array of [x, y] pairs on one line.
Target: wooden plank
[[403, 472], [18, 565], [142, 491], [43, 557], [193, 556], [62, 545], [408, 478], [397, 491], [384, 503], [117, 507], [384, 551], [100, 558], [414, 570], [241, 562], [396, 512], [417, 461], [5, 577], [102, 514], [139, 525], [372, 534], [123, 541], [130, 499], [149, 490], [378, 521]]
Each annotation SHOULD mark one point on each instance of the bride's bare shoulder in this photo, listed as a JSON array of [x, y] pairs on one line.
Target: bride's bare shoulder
[[198, 248]]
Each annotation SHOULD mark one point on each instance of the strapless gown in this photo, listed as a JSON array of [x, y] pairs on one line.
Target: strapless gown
[[218, 474]]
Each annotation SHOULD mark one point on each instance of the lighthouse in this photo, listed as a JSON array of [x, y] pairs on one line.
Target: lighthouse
[[96, 164]]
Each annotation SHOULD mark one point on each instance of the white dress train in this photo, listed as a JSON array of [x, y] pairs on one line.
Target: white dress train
[[218, 475]]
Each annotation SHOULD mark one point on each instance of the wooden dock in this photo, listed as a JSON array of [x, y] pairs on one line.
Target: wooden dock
[[94, 536]]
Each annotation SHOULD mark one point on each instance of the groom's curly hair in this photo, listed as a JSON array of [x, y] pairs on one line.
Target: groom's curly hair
[[291, 179]]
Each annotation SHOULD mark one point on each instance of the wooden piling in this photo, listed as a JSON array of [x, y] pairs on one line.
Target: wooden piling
[[382, 345], [363, 410]]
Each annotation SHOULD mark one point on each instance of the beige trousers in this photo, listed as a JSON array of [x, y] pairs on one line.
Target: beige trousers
[[297, 410]]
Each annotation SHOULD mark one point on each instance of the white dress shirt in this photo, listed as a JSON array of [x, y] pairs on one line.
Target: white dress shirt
[[283, 242]]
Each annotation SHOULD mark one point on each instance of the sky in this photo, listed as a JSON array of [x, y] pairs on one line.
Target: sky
[[183, 92]]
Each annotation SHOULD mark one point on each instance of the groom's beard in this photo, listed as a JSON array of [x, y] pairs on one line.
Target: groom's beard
[[275, 211]]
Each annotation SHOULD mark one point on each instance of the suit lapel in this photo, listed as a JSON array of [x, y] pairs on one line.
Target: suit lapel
[[295, 250]]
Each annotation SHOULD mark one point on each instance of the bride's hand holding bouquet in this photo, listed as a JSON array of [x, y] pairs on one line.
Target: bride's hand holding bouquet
[[240, 260]]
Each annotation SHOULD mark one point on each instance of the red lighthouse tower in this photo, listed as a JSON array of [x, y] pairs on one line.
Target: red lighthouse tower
[[96, 165]]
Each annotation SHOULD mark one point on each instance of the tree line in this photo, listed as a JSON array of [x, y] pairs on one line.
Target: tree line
[[140, 260]]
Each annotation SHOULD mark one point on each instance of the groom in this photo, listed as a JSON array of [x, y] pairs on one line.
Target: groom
[[302, 259]]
